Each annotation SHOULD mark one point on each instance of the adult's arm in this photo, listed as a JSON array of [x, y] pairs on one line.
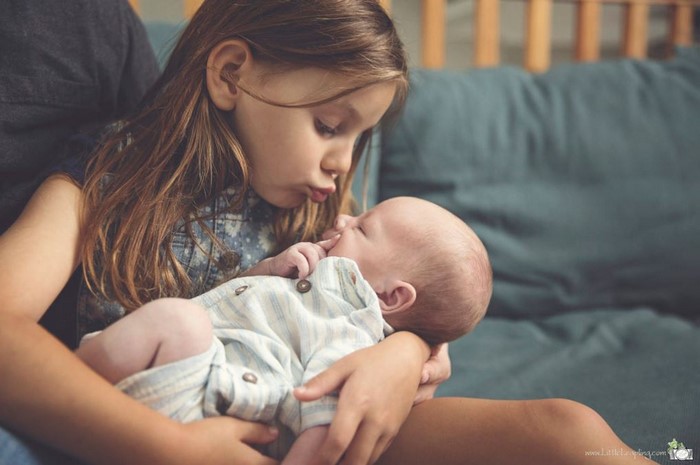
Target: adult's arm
[[48, 394]]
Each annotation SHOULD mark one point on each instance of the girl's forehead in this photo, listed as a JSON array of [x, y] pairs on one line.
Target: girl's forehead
[[300, 85], [322, 89]]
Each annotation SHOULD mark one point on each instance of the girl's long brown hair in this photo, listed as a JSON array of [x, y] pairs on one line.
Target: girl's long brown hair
[[179, 151]]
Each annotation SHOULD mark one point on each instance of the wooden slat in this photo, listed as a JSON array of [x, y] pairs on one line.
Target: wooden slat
[[487, 33], [588, 30], [191, 7], [433, 33], [539, 33], [135, 5], [636, 18], [681, 25], [386, 4]]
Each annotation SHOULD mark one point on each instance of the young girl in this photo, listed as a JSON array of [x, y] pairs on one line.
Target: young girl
[[246, 144]]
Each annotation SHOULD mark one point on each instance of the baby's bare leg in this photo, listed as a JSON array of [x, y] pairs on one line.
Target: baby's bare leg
[[306, 446], [463, 431], [160, 332]]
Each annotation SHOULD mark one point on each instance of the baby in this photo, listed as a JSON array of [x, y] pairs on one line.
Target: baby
[[407, 264]]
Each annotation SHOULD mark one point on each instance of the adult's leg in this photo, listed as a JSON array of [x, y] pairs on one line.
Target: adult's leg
[[160, 332], [463, 431]]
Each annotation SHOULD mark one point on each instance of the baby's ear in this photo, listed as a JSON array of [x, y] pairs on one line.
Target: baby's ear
[[396, 297], [226, 62]]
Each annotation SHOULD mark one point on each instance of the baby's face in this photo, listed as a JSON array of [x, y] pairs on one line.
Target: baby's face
[[375, 239]]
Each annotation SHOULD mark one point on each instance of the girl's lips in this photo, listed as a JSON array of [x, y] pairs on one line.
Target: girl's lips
[[320, 195]]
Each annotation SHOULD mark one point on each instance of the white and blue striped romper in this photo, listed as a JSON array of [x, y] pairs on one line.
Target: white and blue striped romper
[[271, 336]]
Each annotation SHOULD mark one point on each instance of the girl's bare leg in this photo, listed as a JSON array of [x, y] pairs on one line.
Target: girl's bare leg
[[160, 332], [463, 431]]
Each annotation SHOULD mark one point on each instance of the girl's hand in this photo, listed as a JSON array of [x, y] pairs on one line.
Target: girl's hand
[[225, 440], [377, 388], [436, 371]]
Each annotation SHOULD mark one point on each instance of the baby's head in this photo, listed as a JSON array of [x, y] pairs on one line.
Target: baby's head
[[430, 270]]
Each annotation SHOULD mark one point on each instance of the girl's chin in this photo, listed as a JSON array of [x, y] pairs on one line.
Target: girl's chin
[[286, 202]]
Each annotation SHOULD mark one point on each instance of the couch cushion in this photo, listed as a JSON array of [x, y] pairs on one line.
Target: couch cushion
[[637, 368], [583, 182]]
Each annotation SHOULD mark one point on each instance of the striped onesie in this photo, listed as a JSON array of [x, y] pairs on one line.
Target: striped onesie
[[271, 335]]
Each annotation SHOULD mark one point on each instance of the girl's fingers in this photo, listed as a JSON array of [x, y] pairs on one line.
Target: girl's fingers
[[320, 385], [225, 438], [340, 434], [425, 392], [256, 433], [438, 367], [346, 420], [382, 446], [363, 445]]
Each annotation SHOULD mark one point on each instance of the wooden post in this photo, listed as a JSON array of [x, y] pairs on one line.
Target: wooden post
[[433, 33], [539, 25], [681, 25], [487, 33], [386, 4], [634, 44], [135, 5], [191, 7], [588, 30]]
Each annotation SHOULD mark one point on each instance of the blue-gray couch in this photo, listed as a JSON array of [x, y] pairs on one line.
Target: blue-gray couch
[[584, 184]]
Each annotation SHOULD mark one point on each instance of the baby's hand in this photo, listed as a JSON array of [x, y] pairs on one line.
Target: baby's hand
[[300, 260]]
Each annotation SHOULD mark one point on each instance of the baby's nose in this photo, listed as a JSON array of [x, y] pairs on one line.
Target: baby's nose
[[341, 222]]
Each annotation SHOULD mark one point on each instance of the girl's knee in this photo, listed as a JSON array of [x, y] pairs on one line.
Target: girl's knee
[[565, 416]]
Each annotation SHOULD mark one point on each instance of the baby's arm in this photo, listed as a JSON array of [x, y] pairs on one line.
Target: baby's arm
[[306, 445], [298, 261]]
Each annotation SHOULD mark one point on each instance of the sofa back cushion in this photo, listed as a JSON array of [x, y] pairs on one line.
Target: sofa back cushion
[[583, 182]]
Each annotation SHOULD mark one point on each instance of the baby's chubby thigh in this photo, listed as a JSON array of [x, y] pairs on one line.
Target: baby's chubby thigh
[[183, 328], [175, 382]]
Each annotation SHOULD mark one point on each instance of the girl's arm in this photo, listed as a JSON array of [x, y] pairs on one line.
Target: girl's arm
[[48, 394], [377, 389], [39, 252]]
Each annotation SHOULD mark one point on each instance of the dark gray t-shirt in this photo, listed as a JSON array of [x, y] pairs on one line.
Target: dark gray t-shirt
[[64, 66]]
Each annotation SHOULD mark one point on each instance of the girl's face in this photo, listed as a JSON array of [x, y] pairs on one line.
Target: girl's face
[[296, 153]]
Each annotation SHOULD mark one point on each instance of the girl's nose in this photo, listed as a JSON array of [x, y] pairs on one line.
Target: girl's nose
[[342, 222], [338, 160]]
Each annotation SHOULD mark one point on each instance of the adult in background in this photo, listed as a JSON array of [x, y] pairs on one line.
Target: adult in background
[[65, 67]]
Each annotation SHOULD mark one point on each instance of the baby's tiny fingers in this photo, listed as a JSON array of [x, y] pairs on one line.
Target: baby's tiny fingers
[[328, 244], [301, 264]]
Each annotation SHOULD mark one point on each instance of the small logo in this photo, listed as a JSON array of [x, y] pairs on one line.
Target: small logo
[[677, 451]]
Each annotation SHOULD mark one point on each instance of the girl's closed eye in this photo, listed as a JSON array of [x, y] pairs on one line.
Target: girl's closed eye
[[325, 129]]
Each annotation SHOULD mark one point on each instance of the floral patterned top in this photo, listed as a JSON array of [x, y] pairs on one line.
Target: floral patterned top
[[247, 234]]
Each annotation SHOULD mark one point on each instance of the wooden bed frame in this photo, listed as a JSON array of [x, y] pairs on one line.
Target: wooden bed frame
[[537, 55]]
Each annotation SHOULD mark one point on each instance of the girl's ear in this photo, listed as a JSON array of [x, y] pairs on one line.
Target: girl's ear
[[396, 297], [226, 62]]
